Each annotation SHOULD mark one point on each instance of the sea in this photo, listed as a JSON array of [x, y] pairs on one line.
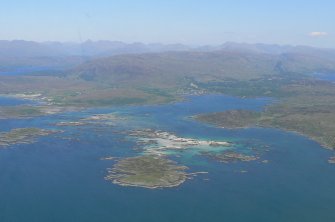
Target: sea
[[60, 177]]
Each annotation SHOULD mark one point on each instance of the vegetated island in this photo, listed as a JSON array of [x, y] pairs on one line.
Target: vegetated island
[[230, 156], [104, 119], [147, 171], [22, 136]]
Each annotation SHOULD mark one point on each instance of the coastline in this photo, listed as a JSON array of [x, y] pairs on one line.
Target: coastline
[[257, 125]]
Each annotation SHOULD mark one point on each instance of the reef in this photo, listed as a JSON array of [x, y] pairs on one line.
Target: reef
[[159, 142], [108, 158], [107, 116], [331, 160], [73, 123]]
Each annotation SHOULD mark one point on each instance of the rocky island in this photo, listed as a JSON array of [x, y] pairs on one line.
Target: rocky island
[[230, 156], [71, 123], [147, 171], [159, 142], [97, 119], [22, 136]]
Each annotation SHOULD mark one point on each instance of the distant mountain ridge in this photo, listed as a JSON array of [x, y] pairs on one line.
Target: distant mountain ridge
[[21, 48], [114, 60], [201, 65]]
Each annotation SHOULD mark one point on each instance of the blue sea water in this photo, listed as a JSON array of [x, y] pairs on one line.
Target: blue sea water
[[11, 101], [59, 179], [330, 77]]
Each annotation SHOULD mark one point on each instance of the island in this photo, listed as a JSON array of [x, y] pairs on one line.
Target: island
[[147, 171], [22, 136], [230, 156], [97, 119], [157, 142], [70, 123]]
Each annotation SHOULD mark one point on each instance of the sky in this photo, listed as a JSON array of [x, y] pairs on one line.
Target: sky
[[194, 22]]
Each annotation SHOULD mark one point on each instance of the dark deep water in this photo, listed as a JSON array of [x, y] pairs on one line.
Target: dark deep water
[[59, 179]]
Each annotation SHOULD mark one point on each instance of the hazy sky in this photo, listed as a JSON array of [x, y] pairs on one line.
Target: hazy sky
[[308, 22]]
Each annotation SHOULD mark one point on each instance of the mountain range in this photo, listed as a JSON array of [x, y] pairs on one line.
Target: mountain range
[[21, 48], [120, 57]]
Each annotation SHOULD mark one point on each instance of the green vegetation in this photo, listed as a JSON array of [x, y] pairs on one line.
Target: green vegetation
[[271, 86], [230, 156], [163, 77], [22, 135], [108, 102], [20, 112], [309, 109], [147, 171], [231, 118], [305, 104]]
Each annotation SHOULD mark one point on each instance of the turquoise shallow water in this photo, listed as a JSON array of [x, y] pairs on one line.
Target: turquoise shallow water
[[58, 179]]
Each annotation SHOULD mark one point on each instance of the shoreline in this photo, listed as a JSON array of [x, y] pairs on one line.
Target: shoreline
[[260, 126]]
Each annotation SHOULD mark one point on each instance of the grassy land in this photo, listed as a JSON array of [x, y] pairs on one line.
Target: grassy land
[[20, 112], [308, 108], [22, 135], [162, 77], [305, 106], [147, 171]]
